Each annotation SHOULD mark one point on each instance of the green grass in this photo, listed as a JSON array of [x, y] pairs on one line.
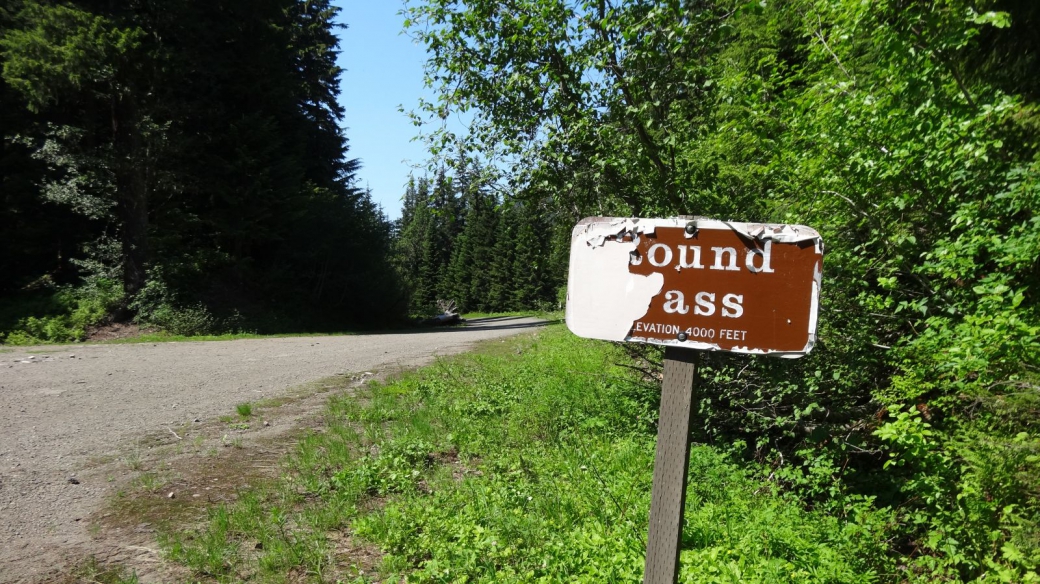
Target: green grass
[[244, 410], [518, 313], [161, 337], [133, 461], [165, 337], [529, 461], [550, 315], [91, 570]]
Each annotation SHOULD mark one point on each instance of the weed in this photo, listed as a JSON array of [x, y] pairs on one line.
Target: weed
[[93, 571], [150, 482], [133, 460], [244, 410]]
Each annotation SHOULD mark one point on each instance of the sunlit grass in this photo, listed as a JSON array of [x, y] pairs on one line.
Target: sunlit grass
[[546, 315], [160, 337], [528, 460]]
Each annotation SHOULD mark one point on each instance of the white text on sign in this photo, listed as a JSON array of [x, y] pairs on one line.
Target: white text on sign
[[694, 332]]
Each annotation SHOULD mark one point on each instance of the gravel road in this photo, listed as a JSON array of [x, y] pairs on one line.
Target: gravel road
[[62, 409]]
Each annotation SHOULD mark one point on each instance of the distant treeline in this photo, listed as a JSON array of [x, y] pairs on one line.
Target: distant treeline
[[182, 164], [459, 241]]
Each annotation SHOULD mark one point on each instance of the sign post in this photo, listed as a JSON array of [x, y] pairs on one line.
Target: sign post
[[691, 284], [671, 463]]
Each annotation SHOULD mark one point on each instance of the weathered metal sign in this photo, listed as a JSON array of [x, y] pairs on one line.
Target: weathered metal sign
[[696, 283]]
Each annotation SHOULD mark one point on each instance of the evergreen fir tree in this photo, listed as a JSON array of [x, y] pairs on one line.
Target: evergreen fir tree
[[530, 254], [205, 139], [468, 273], [501, 281]]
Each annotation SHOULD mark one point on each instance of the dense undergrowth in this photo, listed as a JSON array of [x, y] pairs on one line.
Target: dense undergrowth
[[528, 461], [58, 314], [71, 313], [68, 314]]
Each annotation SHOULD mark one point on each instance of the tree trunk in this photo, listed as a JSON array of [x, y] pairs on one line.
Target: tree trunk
[[132, 196]]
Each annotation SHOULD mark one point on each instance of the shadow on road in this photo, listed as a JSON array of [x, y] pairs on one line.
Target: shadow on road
[[505, 323], [497, 323]]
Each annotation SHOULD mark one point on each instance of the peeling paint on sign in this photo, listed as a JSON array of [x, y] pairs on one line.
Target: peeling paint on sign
[[696, 283]]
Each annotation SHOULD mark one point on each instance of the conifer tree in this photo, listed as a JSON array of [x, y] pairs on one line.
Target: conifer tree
[[468, 273], [447, 210], [413, 244], [482, 228], [88, 69], [530, 255], [501, 281], [205, 139]]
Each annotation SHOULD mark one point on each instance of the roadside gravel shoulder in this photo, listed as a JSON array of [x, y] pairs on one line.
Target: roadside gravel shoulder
[[77, 420]]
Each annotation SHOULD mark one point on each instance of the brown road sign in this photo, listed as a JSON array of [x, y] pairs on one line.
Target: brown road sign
[[696, 283]]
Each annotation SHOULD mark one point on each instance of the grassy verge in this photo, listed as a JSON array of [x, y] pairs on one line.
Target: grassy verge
[[518, 313], [93, 572], [166, 337], [161, 337], [529, 461]]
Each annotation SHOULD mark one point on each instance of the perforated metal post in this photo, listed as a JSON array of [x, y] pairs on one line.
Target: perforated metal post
[[671, 463]]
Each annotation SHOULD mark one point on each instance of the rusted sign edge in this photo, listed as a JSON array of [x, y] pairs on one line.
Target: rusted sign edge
[[597, 231]]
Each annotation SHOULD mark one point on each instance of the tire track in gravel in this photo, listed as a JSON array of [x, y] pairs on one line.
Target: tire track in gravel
[[63, 409]]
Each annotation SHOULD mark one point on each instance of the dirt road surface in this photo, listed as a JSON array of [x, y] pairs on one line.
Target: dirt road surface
[[69, 415]]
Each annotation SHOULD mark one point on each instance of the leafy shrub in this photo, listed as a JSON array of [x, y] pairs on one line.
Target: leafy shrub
[[74, 310], [396, 469], [157, 305], [191, 321]]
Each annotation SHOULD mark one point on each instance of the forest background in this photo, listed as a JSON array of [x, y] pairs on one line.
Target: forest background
[[184, 167], [905, 131]]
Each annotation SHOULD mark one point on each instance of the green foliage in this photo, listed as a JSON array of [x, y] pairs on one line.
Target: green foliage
[[157, 306], [64, 48], [92, 570], [396, 469], [461, 243], [189, 322], [66, 314], [125, 129], [528, 462], [906, 132]]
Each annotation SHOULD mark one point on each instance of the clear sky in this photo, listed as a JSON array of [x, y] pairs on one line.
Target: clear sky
[[383, 70]]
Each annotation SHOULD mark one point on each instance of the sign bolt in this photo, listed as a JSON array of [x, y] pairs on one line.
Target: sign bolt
[[691, 227], [682, 337]]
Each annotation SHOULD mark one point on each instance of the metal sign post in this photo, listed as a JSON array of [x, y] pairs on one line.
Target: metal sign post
[[671, 463], [691, 284]]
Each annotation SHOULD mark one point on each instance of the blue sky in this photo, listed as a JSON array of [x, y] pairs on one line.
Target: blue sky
[[383, 70]]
